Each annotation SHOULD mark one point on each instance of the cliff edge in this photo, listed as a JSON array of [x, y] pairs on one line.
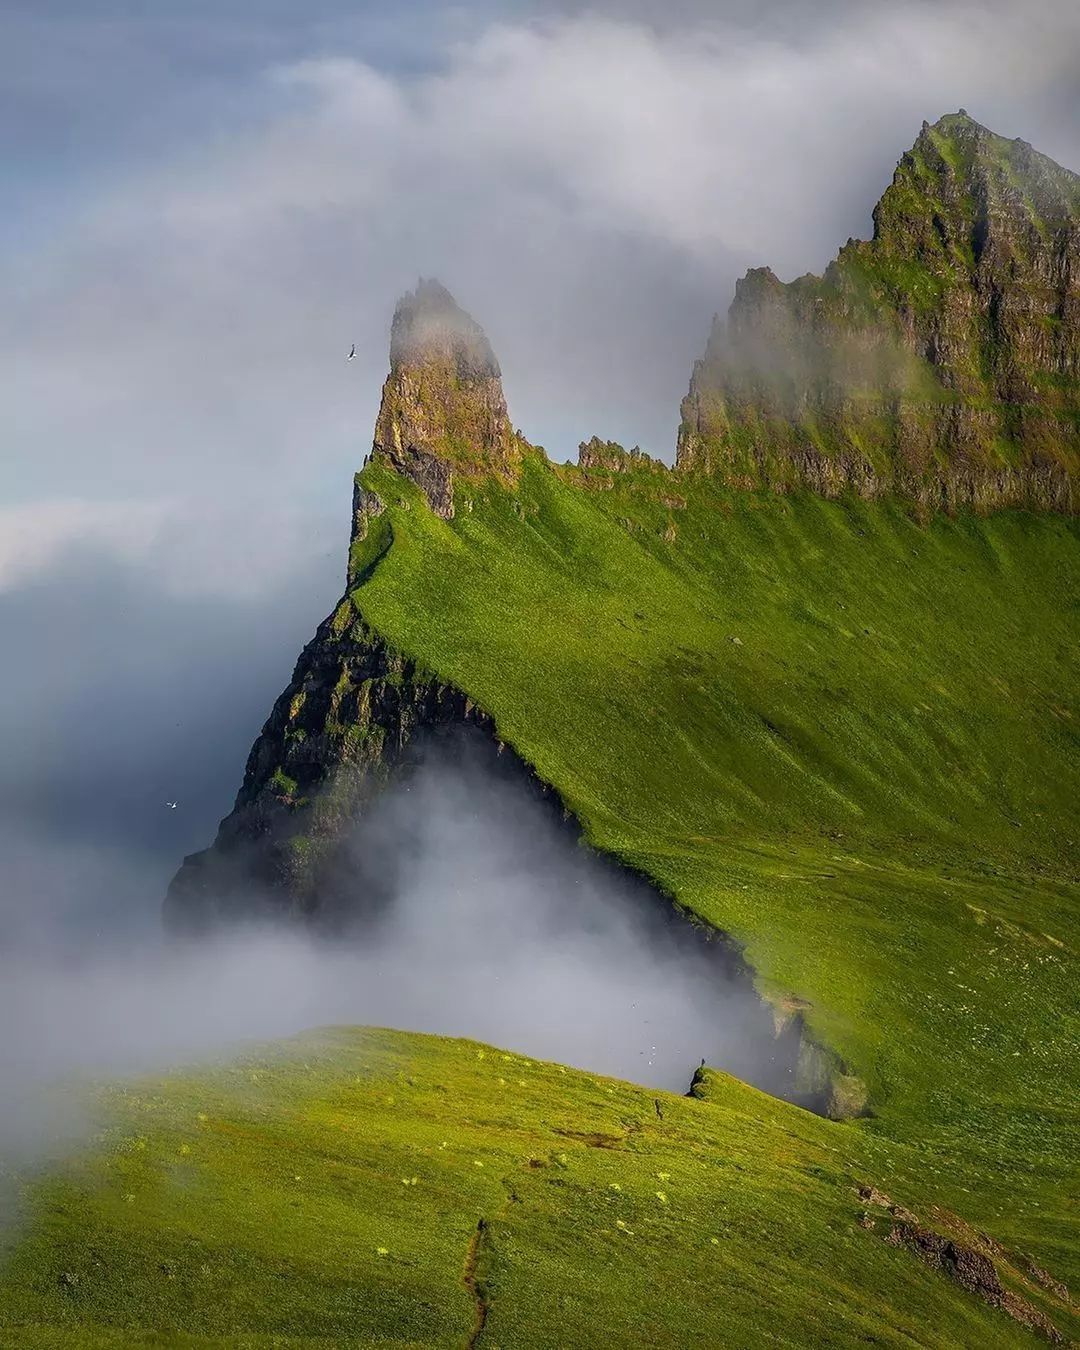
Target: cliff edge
[[938, 361]]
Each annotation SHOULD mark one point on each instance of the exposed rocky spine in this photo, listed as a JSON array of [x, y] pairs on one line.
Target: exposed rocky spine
[[939, 360], [443, 412], [612, 457], [355, 714]]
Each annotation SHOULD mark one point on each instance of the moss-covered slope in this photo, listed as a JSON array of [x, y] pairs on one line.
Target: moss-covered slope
[[844, 737], [839, 725], [376, 1189], [939, 360]]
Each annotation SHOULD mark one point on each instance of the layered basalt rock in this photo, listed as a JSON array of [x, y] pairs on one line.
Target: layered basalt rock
[[938, 361], [443, 414], [356, 715]]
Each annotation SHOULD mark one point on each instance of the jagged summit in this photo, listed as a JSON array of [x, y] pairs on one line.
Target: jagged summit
[[959, 165], [939, 359], [429, 325], [443, 411]]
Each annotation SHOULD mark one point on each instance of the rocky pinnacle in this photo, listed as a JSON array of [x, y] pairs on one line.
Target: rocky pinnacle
[[443, 413]]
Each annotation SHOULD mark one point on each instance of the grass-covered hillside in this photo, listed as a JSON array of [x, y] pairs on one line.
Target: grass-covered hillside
[[375, 1189], [846, 738], [843, 727]]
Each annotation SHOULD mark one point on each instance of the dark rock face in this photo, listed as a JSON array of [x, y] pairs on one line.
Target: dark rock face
[[971, 1270], [443, 412], [970, 1258], [940, 360], [356, 714]]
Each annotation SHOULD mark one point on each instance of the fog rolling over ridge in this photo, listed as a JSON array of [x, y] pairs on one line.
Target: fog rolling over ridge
[[214, 212], [491, 924]]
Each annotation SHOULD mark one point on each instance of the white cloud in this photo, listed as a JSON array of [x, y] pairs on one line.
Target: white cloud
[[35, 535], [182, 549], [589, 186]]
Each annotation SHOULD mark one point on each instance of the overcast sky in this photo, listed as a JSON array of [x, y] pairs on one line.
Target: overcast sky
[[207, 203]]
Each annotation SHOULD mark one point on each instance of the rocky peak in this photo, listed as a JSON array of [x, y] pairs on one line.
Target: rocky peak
[[431, 327], [443, 412], [962, 178], [939, 359]]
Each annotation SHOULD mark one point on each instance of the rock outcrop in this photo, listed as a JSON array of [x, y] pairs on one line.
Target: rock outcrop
[[356, 714], [612, 457], [939, 361], [443, 413]]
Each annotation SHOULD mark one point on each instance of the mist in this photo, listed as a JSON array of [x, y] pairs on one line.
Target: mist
[[474, 912], [210, 208]]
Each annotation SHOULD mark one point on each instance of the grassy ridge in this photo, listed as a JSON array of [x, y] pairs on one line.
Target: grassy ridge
[[844, 737], [373, 1188]]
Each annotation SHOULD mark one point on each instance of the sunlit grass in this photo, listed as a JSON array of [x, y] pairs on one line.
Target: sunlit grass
[[264, 1205], [843, 736], [848, 738]]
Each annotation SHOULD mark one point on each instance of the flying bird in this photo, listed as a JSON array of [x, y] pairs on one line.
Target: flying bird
[[352, 353], [171, 805]]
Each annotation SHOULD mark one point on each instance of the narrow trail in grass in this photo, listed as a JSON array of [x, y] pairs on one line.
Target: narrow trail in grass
[[473, 1285]]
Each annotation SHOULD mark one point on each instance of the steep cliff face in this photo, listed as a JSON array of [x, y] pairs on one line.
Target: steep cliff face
[[355, 714], [443, 413], [939, 360], [358, 712]]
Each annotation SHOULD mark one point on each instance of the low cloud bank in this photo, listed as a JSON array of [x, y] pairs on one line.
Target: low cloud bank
[[498, 927]]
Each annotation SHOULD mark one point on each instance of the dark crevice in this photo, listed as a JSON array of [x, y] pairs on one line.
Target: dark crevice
[[473, 1284]]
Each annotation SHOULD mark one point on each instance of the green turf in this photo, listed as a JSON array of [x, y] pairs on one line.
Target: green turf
[[330, 1194], [847, 738]]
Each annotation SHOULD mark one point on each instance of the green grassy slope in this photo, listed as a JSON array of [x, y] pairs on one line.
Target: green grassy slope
[[846, 738], [377, 1189]]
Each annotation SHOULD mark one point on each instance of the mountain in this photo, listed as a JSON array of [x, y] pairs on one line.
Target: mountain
[[358, 709], [937, 363], [443, 410], [817, 684], [940, 360]]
